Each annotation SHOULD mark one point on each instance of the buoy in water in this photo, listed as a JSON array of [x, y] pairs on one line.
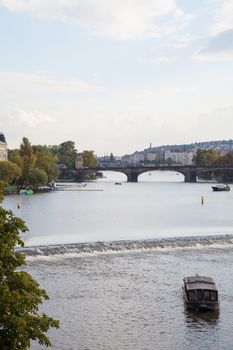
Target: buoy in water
[[202, 200]]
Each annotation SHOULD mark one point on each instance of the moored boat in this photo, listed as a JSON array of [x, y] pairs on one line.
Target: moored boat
[[200, 293], [221, 187]]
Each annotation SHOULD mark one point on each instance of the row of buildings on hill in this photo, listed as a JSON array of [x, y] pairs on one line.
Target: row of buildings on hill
[[170, 154]]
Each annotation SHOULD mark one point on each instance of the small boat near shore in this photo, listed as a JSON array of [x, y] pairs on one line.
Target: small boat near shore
[[200, 293], [221, 187], [118, 183]]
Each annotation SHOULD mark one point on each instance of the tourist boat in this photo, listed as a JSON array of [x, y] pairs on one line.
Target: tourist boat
[[200, 293], [221, 187]]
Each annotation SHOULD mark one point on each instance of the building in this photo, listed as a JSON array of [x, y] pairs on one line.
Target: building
[[151, 157], [133, 159], [3, 147], [79, 161], [183, 158]]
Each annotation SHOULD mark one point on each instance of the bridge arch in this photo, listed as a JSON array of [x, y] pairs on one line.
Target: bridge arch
[[123, 176], [161, 176]]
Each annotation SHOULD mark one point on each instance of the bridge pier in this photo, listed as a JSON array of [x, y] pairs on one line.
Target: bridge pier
[[190, 176], [132, 176]]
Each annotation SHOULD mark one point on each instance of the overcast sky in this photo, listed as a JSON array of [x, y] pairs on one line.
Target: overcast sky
[[115, 75]]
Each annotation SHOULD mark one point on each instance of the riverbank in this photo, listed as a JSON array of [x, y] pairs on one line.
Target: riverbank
[[14, 190]]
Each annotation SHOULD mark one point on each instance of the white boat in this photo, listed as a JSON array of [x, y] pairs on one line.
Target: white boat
[[221, 187]]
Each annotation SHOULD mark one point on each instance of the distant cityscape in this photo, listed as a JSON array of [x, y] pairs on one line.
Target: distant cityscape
[[169, 154]]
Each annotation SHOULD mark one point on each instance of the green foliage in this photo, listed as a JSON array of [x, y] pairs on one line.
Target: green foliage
[[29, 159], [89, 159], [37, 177], [206, 157], [15, 157], [46, 161], [9, 171], [66, 153], [20, 294], [226, 160]]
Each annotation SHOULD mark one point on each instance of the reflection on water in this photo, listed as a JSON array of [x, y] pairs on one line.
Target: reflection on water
[[195, 319]]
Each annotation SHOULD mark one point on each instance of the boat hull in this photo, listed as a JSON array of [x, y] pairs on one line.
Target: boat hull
[[202, 307], [215, 189]]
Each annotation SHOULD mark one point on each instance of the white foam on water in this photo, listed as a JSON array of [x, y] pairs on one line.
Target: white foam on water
[[55, 252]]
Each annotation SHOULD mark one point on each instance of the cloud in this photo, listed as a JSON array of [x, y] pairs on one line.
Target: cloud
[[30, 119], [218, 122], [157, 60], [42, 83], [223, 18], [118, 19], [219, 47], [219, 115]]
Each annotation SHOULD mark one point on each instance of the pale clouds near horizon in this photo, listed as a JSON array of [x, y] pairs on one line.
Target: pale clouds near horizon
[[119, 19], [116, 75]]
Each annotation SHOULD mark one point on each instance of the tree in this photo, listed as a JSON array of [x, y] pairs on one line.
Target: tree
[[226, 160], [66, 153], [89, 159], [15, 157], [9, 171], [46, 161], [29, 159], [206, 157], [37, 177], [20, 294]]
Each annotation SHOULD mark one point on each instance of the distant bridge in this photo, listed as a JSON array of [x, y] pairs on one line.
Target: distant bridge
[[190, 172]]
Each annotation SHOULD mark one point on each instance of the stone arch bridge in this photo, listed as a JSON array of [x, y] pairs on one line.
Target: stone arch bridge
[[190, 172]]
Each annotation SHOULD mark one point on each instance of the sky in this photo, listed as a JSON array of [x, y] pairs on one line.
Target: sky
[[116, 75]]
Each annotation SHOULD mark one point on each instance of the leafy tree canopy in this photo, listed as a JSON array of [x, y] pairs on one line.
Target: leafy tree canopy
[[226, 160], [66, 153], [89, 159], [206, 157], [20, 294], [37, 177], [9, 171], [29, 159], [15, 157], [46, 161]]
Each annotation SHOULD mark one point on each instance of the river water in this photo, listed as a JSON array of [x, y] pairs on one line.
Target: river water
[[112, 259]]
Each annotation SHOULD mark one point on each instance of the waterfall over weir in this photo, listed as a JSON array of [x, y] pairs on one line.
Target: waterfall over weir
[[168, 244]]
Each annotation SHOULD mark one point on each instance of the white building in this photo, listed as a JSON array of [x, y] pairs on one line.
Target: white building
[[79, 161], [151, 157], [3, 147], [133, 159], [183, 158]]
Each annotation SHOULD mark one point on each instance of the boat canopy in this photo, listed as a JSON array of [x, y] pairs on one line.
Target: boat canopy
[[199, 282]]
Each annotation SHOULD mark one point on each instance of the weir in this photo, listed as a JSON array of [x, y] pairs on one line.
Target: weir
[[65, 250]]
